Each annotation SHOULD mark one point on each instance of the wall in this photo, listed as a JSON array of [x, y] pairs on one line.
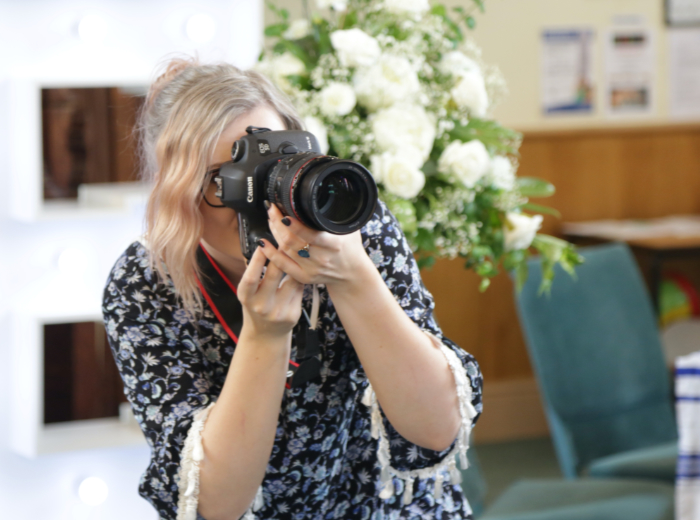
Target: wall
[[41, 45]]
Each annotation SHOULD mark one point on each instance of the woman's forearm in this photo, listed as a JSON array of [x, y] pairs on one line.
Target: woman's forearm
[[240, 431], [409, 374]]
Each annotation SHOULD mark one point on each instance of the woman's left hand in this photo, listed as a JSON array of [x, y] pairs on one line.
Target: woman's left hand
[[332, 259]]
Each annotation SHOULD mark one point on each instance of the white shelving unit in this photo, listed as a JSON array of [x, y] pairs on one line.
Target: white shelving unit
[[55, 256]]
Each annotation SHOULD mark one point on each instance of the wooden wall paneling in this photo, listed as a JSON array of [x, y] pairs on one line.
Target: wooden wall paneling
[[123, 110], [599, 174]]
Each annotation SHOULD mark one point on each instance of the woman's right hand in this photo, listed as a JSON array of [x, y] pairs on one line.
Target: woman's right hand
[[269, 309]]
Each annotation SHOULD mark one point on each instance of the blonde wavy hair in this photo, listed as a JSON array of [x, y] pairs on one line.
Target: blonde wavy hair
[[186, 110]]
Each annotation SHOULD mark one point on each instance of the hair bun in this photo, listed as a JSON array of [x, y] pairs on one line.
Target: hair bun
[[172, 68]]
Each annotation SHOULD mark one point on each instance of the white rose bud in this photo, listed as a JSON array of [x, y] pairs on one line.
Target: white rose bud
[[279, 67], [316, 127], [404, 127], [337, 5], [337, 99], [470, 92], [520, 230], [355, 48], [398, 174], [468, 162], [390, 80], [456, 63], [502, 174], [406, 6], [298, 29]]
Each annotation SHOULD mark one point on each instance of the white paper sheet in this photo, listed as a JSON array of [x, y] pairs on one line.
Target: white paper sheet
[[629, 72], [684, 73], [567, 73]]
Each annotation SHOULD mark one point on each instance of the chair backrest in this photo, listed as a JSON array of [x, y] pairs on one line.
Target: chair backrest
[[595, 347], [473, 483]]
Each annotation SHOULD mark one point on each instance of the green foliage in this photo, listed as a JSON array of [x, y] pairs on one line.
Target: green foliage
[[536, 188], [452, 216]]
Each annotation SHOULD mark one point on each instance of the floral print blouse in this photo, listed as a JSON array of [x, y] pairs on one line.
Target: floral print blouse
[[324, 460]]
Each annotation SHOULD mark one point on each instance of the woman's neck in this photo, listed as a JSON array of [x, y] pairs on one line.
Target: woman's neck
[[233, 267]]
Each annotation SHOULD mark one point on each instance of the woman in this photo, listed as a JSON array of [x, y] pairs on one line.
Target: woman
[[228, 435]]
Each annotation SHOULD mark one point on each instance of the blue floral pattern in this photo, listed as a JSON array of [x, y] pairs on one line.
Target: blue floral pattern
[[324, 460]]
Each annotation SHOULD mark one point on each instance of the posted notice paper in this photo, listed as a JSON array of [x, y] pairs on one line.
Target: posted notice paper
[[684, 73], [629, 72], [567, 72]]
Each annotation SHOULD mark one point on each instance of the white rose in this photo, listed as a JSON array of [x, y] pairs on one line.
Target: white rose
[[456, 63], [338, 5], [316, 127], [279, 67], [390, 80], [298, 29], [406, 6], [502, 174], [469, 162], [470, 93], [355, 48], [520, 230], [404, 127], [398, 173], [337, 99]]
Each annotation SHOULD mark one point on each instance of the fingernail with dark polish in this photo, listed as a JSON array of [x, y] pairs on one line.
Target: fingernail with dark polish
[[261, 243], [286, 221], [266, 203]]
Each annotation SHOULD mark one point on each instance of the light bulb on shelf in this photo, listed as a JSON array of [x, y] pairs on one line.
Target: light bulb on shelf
[[93, 491], [92, 29], [200, 28]]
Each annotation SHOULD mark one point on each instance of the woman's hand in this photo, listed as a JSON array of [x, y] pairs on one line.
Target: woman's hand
[[271, 306], [333, 259]]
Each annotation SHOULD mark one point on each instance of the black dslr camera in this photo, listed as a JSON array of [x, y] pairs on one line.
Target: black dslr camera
[[286, 168]]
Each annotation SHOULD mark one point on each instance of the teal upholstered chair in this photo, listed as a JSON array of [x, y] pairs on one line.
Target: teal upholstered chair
[[582, 499], [595, 348]]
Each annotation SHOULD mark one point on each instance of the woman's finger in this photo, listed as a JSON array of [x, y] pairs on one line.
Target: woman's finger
[[304, 234], [271, 281], [284, 262], [250, 281]]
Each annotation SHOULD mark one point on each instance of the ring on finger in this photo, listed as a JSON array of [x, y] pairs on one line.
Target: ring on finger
[[304, 251]]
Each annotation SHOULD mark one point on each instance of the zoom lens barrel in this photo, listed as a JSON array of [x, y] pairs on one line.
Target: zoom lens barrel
[[323, 192]]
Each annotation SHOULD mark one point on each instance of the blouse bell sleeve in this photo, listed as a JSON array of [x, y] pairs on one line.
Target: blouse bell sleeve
[[388, 248], [156, 349]]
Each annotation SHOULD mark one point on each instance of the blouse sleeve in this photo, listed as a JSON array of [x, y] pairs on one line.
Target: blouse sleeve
[[388, 248], [156, 349]]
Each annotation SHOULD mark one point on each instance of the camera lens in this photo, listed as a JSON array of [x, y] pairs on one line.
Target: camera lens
[[340, 197], [323, 192]]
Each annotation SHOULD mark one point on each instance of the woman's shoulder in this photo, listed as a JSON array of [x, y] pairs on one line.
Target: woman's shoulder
[[131, 266]]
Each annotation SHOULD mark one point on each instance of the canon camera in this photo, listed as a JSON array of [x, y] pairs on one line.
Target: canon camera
[[287, 168]]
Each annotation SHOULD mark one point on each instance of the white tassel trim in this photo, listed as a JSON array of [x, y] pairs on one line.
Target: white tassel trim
[[467, 413], [192, 454]]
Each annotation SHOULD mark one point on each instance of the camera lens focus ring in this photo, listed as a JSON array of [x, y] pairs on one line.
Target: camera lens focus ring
[[283, 177]]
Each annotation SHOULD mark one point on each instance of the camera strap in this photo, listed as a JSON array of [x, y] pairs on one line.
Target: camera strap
[[221, 296]]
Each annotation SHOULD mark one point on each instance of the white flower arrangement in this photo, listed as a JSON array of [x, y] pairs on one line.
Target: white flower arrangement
[[399, 87]]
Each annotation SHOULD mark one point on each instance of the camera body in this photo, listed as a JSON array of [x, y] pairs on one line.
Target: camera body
[[287, 168]]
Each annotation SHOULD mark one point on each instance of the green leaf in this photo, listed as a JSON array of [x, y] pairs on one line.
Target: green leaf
[[537, 208], [480, 5], [439, 10], [533, 187], [555, 251], [485, 283], [296, 49], [276, 29], [281, 13], [470, 21], [349, 20], [426, 262]]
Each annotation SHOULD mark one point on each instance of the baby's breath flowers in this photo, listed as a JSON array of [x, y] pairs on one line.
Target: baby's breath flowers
[[398, 86]]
